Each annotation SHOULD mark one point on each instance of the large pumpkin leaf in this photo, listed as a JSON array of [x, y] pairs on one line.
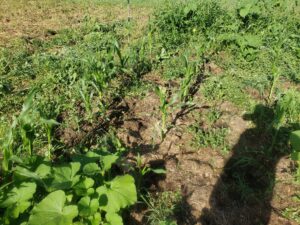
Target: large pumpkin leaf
[[107, 161], [84, 186], [118, 193], [64, 177], [52, 211], [113, 219], [41, 172], [87, 206], [16, 201], [91, 169], [90, 160]]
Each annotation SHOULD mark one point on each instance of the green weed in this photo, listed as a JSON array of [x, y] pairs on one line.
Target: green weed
[[163, 208], [213, 138]]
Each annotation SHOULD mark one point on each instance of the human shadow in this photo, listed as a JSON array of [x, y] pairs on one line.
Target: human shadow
[[244, 190]]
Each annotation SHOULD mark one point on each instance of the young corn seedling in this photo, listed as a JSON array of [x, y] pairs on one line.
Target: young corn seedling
[[286, 110], [162, 93], [26, 122], [7, 147], [87, 98], [275, 76], [190, 70], [123, 59]]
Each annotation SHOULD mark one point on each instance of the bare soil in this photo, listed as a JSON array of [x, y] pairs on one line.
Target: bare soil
[[200, 173]]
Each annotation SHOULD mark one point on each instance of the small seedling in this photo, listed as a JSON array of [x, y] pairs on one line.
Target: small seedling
[[190, 71], [87, 97], [48, 125], [162, 93]]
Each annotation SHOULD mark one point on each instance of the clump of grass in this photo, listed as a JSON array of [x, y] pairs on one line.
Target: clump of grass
[[213, 115], [163, 207], [227, 88], [212, 138]]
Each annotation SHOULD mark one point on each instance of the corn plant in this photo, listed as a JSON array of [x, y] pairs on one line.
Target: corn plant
[[7, 146], [123, 59], [22, 126], [26, 122], [190, 71], [275, 78], [87, 97], [286, 110], [162, 94], [99, 91]]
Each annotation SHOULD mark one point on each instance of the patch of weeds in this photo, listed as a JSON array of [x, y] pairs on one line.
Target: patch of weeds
[[212, 116], [212, 138], [163, 207], [225, 88], [175, 24], [292, 213], [173, 68]]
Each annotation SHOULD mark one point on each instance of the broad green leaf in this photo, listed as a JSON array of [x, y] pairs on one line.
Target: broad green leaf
[[89, 157], [84, 186], [21, 193], [91, 169], [118, 193], [91, 220], [64, 177], [87, 206], [95, 219], [113, 219], [23, 173], [17, 199], [52, 211], [43, 170], [17, 209], [108, 160]]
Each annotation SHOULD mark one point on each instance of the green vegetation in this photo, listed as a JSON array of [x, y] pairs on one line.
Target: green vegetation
[[163, 207], [61, 87]]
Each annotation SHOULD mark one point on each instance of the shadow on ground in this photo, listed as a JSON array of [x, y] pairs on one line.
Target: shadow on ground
[[244, 190]]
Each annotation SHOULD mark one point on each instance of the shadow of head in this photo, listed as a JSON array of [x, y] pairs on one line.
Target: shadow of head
[[262, 116]]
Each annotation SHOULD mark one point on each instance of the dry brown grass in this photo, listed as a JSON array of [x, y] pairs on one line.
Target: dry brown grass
[[33, 18]]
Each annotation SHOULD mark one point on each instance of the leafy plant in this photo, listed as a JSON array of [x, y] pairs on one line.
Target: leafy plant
[[190, 71], [163, 207], [52, 210], [87, 97], [213, 138], [83, 191]]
